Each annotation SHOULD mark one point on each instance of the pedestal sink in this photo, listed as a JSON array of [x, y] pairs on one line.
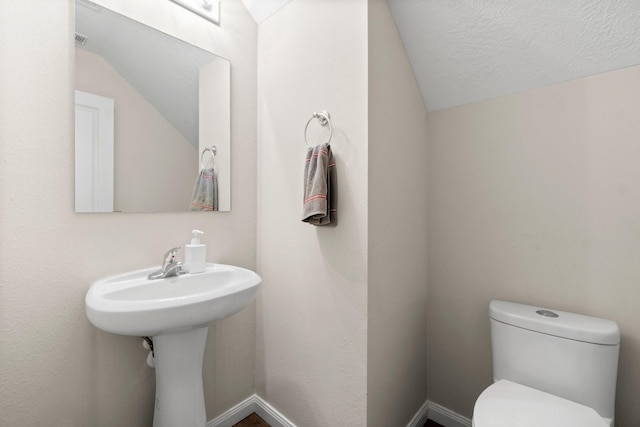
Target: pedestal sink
[[175, 312]]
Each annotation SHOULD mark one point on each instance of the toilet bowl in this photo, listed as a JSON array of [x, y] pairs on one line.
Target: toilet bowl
[[508, 404], [551, 369]]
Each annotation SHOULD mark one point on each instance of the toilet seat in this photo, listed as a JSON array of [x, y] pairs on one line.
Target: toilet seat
[[508, 404]]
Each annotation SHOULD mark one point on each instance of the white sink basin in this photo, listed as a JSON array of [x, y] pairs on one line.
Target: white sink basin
[[175, 313], [131, 304]]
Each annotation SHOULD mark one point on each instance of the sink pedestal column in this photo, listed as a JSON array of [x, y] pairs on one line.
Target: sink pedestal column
[[179, 392]]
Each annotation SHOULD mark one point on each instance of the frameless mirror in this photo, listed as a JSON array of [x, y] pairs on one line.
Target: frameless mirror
[[149, 108]]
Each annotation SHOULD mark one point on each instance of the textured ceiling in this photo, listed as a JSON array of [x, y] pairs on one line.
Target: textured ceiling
[[465, 51]]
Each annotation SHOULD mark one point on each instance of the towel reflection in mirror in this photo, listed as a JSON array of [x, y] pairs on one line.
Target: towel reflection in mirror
[[205, 189]]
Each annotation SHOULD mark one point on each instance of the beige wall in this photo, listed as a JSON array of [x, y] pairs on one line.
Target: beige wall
[[397, 339], [57, 369], [312, 311], [534, 198]]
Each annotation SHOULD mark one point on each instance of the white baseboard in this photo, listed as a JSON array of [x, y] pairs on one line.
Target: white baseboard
[[271, 414], [439, 414], [256, 404], [245, 408], [445, 416], [421, 416], [234, 415]]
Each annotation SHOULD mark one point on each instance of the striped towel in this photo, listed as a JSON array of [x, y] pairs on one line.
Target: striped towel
[[205, 191], [320, 187]]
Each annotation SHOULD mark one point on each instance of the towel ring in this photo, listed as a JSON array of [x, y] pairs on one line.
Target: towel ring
[[213, 150], [324, 118]]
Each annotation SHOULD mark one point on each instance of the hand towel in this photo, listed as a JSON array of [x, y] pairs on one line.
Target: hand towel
[[320, 187], [205, 191]]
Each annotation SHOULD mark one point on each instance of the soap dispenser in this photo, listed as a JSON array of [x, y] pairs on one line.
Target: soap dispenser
[[195, 254]]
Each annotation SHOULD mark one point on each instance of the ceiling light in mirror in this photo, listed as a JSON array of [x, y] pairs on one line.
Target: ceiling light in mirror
[[208, 9]]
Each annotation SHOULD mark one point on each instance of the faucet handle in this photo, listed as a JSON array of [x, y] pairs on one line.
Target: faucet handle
[[170, 256], [170, 267]]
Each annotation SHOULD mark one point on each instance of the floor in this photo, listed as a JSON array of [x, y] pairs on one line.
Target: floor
[[254, 420]]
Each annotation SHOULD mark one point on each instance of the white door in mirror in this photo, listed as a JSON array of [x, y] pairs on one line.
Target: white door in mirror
[[94, 128]]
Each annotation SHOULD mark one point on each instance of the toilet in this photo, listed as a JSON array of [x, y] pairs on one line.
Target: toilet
[[550, 368]]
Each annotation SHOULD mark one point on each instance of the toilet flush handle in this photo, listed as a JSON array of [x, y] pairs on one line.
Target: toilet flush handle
[[547, 313]]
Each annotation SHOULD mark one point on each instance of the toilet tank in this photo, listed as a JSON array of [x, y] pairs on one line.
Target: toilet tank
[[565, 354]]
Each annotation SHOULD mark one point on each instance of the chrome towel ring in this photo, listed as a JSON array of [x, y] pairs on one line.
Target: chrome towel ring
[[325, 119], [213, 150]]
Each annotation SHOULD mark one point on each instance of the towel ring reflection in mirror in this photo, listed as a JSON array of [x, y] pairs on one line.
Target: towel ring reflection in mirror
[[212, 150], [325, 119]]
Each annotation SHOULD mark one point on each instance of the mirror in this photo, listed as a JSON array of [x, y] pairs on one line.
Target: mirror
[[148, 106]]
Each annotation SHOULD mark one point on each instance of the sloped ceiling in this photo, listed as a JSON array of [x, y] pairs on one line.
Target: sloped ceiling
[[163, 69], [464, 51]]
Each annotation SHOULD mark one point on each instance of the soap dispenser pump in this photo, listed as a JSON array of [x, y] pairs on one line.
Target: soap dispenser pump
[[195, 254]]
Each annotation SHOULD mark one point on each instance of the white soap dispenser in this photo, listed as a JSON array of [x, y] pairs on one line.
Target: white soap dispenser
[[195, 254]]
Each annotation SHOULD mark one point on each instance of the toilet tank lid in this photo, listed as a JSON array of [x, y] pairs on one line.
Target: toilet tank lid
[[565, 325]]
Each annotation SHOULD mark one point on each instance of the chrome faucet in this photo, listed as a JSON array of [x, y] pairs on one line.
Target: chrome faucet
[[170, 267]]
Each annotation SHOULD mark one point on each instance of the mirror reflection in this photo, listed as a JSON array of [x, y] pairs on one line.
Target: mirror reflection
[[150, 109]]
